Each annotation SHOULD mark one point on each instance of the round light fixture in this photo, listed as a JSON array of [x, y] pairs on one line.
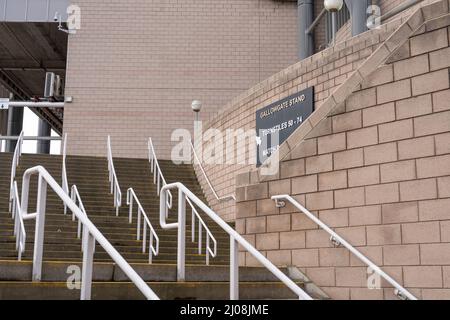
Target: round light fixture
[[196, 106], [333, 5]]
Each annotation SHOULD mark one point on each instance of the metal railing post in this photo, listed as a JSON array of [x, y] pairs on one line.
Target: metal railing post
[[65, 183], [234, 269], [138, 229], [150, 250], [39, 233], [197, 159], [181, 254], [88, 261], [130, 212], [144, 237]]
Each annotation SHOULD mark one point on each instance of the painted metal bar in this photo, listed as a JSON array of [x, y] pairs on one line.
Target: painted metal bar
[[19, 226], [64, 180], [39, 229], [115, 188], [88, 264], [75, 196], [14, 164], [157, 172], [31, 104], [316, 21], [339, 240], [209, 236], [181, 251], [154, 164], [152, 250], [197, 159], [13, 138], [234, 269]]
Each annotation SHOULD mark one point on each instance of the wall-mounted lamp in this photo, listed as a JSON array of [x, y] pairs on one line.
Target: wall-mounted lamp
[[333, 5], [196, 107]]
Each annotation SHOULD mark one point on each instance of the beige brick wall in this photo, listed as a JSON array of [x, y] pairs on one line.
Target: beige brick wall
[[378, 172], [325, 74], [135, 66]]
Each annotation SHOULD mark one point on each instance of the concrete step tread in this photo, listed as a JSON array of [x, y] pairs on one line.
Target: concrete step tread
[[109, 271], [128, 291]]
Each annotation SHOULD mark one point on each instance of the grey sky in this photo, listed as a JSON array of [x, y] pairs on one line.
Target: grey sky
[[30, 127]]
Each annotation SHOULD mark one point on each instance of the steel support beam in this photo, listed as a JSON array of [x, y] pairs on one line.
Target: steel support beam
[[358, 13], [3, 122], [15, 125], [36, 105], [19, 93], [305, 20], [44, 130]]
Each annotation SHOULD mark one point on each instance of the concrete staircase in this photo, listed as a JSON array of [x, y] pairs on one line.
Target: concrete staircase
[[62, 248]]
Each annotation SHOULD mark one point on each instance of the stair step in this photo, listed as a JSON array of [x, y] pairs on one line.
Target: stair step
[[56, 255], [9, 242], [128, 291], [56, 271], [90, 174]]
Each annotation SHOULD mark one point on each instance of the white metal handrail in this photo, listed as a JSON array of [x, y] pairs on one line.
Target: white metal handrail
[[19, 227], [115, 188], [75, 197], [30, 138], [158, 176], [209, 236], [235, 240], [93, 235], [153, 250], [338, 240], [64, 181], [15, 163], [197, 159]]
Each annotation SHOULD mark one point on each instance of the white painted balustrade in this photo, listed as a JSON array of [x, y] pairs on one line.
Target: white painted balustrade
[[199, 163], [64, 181], [115, 188], [75, 196], [153, 237], [158, 177], [19, 226], [209, 237], [14, 165], [236, 239]]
